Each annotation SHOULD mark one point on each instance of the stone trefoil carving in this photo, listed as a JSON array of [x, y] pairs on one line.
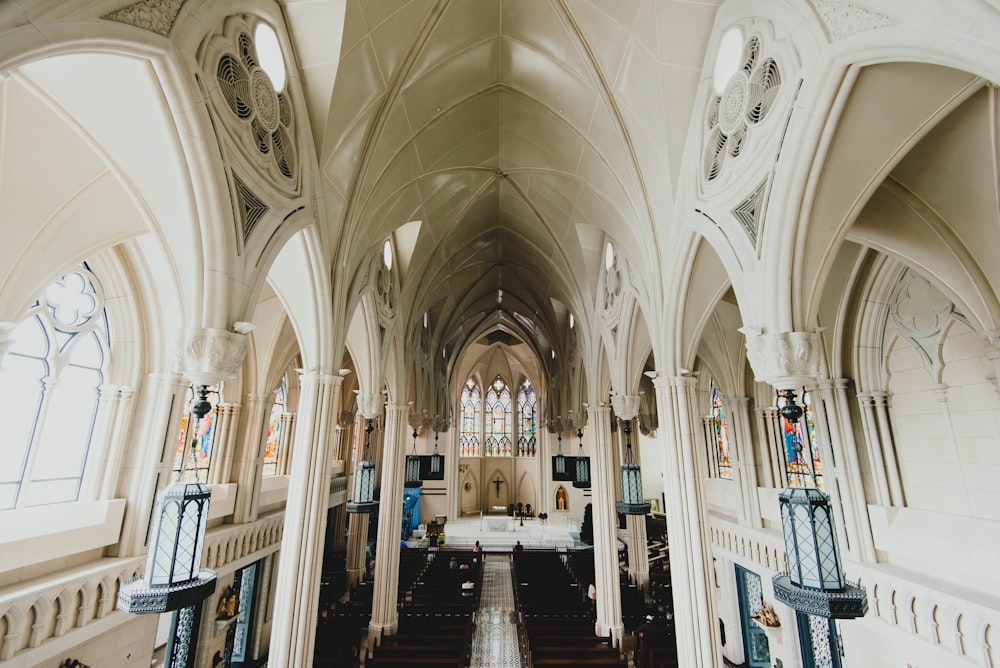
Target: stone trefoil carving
[[843, 19], [154, 15], [918, 308]]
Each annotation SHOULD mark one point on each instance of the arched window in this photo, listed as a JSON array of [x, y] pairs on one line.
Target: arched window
[[54, 369], [197, 456], [273, 443], [499, 419], [527, 426], [720, 436], [472, 406], [801, 448]]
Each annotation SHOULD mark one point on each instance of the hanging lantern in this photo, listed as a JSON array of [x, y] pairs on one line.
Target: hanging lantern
[[437, 461], [173, 578], [815, 581], [632, 502], [413, 466], [364, 479], [582, 479], [559, 462]]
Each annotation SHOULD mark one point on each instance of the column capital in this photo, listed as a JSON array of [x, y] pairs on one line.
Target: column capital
[[370, 405], [786, 360], [626, 405], [208, 356]]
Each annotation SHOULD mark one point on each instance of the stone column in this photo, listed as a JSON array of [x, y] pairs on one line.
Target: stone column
[[143, 471], [868, 422], [771, 463], [694, 618], [609, 604], [227, 422], [858, 529], [285, 439], [881, 400], [627, 408], [451, 477], [745, 465], [385, 616], [248, 458], [293, 630], [357, 524], [114, 413]]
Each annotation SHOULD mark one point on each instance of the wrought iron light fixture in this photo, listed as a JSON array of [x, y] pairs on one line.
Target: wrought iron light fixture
[[174, 580], [436, 458], [559, 461], [815, 582], [632, 502], [413, 466], [582, 479], [364, 479]]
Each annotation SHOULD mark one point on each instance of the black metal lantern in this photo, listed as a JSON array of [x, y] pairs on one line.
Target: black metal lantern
[[173, 577], [815, 581], [632, 502], [364, 479], [413, 466], [582, 479], [437, 461], [559, 462]]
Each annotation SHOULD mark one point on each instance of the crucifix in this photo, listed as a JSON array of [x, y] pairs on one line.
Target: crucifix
[[497, 482]]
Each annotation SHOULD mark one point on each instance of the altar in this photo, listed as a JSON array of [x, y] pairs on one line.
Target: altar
[[496, 523]]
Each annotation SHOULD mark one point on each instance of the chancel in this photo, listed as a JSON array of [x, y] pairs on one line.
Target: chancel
[[350, 272]]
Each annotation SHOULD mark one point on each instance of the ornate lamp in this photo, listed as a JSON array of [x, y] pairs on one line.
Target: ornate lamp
[[582, 479], [815, 581], [174, 580], [632, 502], [413, 466], [364, 479], [559, 461]]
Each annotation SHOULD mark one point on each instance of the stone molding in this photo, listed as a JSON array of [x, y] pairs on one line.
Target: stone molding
[[786, 360], [153, 15], [843, 19], [207, 356]]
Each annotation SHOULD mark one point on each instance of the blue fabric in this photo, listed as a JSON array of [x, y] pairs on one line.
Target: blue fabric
[[411, 510]]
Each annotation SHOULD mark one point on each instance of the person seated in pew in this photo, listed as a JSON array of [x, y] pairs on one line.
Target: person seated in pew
[[519, 547], [463, 567], [468, 587], [453, 564]]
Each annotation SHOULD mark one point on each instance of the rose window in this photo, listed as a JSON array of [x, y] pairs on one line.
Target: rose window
[[252, 98], [747, 98]]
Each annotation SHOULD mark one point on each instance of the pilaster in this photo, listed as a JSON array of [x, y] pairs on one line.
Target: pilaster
[[609, 606], [689, 563], [248, 459], [385, 616], [300, 566]]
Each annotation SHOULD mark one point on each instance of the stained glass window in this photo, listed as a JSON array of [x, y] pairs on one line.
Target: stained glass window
[[273, 442], [54, 367], [720, 433], [499, 419], [526, 426], [472, 407], [197, 456], [801, 452]]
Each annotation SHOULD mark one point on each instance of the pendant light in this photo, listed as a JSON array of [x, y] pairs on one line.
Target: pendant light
[[632, 502], [364, 479], [559, 462], [413, 466], [815, 581], [582, 479], [437, 461]]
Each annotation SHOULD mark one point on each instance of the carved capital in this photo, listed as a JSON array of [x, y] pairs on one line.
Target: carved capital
[[370, 405], [626, 405], [207, 356], [786, 360]]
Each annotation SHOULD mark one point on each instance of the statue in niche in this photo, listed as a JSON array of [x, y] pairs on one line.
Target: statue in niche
[[562, 498]]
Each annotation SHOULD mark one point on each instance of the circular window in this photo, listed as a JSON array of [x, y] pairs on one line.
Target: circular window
[[269, 52], [727, 59]]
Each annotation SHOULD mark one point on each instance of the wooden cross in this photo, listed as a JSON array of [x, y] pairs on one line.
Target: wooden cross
[[498, 482]]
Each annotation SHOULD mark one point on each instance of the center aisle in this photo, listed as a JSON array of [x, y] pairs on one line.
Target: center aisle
[[494, 642]]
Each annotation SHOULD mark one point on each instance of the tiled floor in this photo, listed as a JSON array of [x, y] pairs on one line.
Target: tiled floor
[[494, 643]]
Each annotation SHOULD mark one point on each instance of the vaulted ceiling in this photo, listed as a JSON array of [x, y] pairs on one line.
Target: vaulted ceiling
[[520, 135]]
